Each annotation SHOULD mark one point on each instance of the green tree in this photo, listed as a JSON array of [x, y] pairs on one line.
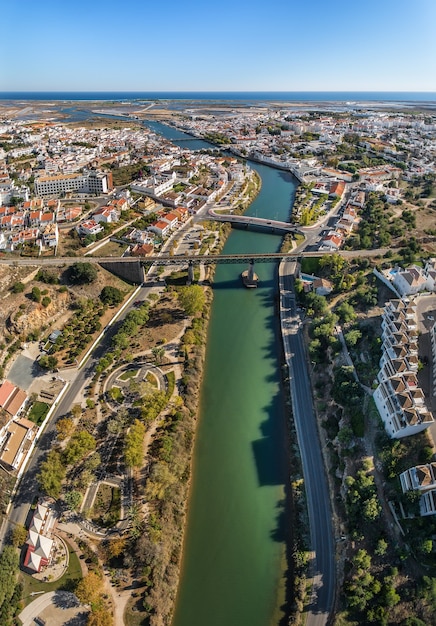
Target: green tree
[[133, 447], [35, 294], [192, 299], [158, 353], [79, 446], [73, 499], [9, 561], [111, 295], [18, 287], [52, 473], [381, 547], [19, 535], [82, 273], [48, 361], [352, 337], [346, 312]]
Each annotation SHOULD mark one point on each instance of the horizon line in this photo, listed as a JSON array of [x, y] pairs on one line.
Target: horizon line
[[220, 91]]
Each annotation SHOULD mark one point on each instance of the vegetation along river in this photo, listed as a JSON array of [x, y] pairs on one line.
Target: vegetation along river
[[233, 568]]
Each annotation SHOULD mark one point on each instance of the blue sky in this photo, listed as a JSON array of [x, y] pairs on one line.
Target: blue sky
[[283, 45]]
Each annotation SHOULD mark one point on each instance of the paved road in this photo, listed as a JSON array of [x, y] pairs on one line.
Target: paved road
[[317, 492]]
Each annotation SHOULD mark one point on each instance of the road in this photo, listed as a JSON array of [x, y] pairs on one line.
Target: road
[[323, 566]]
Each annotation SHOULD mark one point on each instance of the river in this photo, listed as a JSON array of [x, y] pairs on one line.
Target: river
[[234, 552]]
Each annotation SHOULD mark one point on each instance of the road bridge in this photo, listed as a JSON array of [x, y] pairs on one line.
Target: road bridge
[[274, 225]]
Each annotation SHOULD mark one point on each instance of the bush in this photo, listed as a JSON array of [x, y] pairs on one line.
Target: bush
[[36, 294], [111, 296], [18, 287], [82, 273]]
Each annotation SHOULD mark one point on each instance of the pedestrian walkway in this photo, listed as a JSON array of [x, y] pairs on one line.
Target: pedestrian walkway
[[55, 608]]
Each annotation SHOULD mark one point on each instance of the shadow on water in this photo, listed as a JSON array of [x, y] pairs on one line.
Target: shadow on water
[[236, 283]]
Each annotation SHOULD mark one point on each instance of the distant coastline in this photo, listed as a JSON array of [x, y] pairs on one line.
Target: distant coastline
[[351, 97]]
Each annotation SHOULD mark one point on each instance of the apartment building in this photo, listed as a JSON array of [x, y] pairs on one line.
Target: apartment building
[[90, 182], [398, 397]]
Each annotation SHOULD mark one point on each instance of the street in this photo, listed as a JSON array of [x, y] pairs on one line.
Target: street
[[323, 567]]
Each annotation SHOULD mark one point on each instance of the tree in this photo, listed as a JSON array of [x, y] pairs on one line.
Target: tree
[[116, 547], [89, 589], [48, 361], [346, 312], [35, 294], [381, 548], [51, 474], [82, 273], [133, 448], [9, 561], [18, 287], [73, 499], [19, 535], [111, 295], [64, 428], [80, 445], [158, 353], [352, 337], [100, 616], [426, 546], [192, 299]]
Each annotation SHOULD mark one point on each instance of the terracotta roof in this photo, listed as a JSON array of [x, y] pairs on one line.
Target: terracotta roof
[[6, 391]]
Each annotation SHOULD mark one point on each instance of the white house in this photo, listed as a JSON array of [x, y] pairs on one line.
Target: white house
[[161, 228], [106, 214], [410, 281], [89, 227]]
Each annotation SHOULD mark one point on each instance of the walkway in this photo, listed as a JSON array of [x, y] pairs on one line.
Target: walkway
[[56, 608]]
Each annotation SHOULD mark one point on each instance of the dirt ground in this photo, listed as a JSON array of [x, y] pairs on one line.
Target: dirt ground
[[167, 321]]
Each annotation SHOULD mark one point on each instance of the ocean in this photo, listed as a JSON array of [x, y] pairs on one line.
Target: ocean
[[241, 96]]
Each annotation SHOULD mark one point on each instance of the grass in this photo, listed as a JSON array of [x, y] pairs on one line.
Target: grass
[[310, 265], [38, 412], [67, 582], [171, 382], [137, 617], [151, 379], [130, 373], [117, 394], [107, 506]]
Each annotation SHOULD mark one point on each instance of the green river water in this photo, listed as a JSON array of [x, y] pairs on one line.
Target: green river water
[[233, 567]]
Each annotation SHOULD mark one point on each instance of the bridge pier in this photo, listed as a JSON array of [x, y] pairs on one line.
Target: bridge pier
[[249, 277], [190, 279]]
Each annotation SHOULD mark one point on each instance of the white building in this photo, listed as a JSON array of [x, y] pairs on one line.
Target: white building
[[410, 281], [87, 183], [420, 477], [89, 227], [399, 399]]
